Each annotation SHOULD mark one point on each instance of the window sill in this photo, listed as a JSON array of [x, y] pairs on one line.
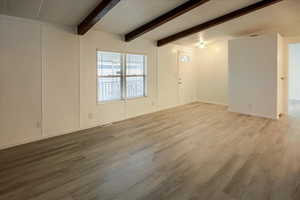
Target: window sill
[[136, 98], [107, 102], [121, 101]]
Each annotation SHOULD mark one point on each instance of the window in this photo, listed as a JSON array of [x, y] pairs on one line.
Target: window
[[120, 76], [135, 75], [185, 58], [109, 72]]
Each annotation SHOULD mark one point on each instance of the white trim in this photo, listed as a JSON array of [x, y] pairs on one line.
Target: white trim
[[99, 124], [43, 77], [25, 141], [40, 8], [39, 22], [212, 102], [79, 83], [36, 139], [96, 124], [123, 77], [229, 110], [255, 115], [99, 103], [161, 107], [135, 98], [7, 17]]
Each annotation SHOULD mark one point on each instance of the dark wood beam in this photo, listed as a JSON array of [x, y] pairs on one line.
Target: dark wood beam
[[217, 21], [180, 10], [96, 15]]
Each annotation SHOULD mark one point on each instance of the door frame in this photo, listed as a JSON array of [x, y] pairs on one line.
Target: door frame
[[179, 78], [287, 42]]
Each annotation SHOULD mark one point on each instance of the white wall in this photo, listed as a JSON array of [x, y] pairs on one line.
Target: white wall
[[48, 80], [60, 50], [20, 81], [170, 70], [212, 81], [92, 113], [187, 75], [294, 71], [253, 75], [168, 95], [39, 80]]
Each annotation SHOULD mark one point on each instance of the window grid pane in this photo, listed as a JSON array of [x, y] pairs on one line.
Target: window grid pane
[[109, 68], [109, 89], [135, 64], [108, 64], [120, 76], [135, 76], [135, 86]]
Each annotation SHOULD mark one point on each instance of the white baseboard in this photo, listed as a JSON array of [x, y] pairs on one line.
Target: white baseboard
[[212, 102], [63, 132], [25, 141], [36, 139], [255, 115]]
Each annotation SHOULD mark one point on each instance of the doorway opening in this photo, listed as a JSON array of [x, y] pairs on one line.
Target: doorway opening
[[294, 79]]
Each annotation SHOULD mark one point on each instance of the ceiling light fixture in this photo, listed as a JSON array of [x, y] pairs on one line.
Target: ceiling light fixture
[[201, 44]]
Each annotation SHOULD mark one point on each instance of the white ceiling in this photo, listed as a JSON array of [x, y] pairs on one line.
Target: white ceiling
[[65, 12], [130, 14], [146, 10], [282, 17]]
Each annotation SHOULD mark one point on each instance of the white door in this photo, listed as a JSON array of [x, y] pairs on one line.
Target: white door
[[186, 84]]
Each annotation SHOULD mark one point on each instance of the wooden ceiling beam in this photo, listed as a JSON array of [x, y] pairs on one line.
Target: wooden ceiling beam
[[217, 21], [96, 15], [180, 10]]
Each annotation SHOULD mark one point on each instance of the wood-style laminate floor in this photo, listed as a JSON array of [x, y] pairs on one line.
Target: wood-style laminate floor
[[197, 151], [294, 108]]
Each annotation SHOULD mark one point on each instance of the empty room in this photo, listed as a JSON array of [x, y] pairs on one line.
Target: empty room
[[149, 100]]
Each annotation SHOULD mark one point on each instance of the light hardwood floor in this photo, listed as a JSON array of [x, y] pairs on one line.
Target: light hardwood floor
[[294, 108], [197, 151]]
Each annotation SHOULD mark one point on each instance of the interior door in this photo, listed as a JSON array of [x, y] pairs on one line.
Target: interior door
[[185, 78]]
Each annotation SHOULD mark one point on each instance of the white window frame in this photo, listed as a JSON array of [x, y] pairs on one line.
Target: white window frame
[[123, 77]]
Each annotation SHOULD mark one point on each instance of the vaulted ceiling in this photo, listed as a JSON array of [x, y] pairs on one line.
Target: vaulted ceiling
[[65, 12], [127, 15]]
